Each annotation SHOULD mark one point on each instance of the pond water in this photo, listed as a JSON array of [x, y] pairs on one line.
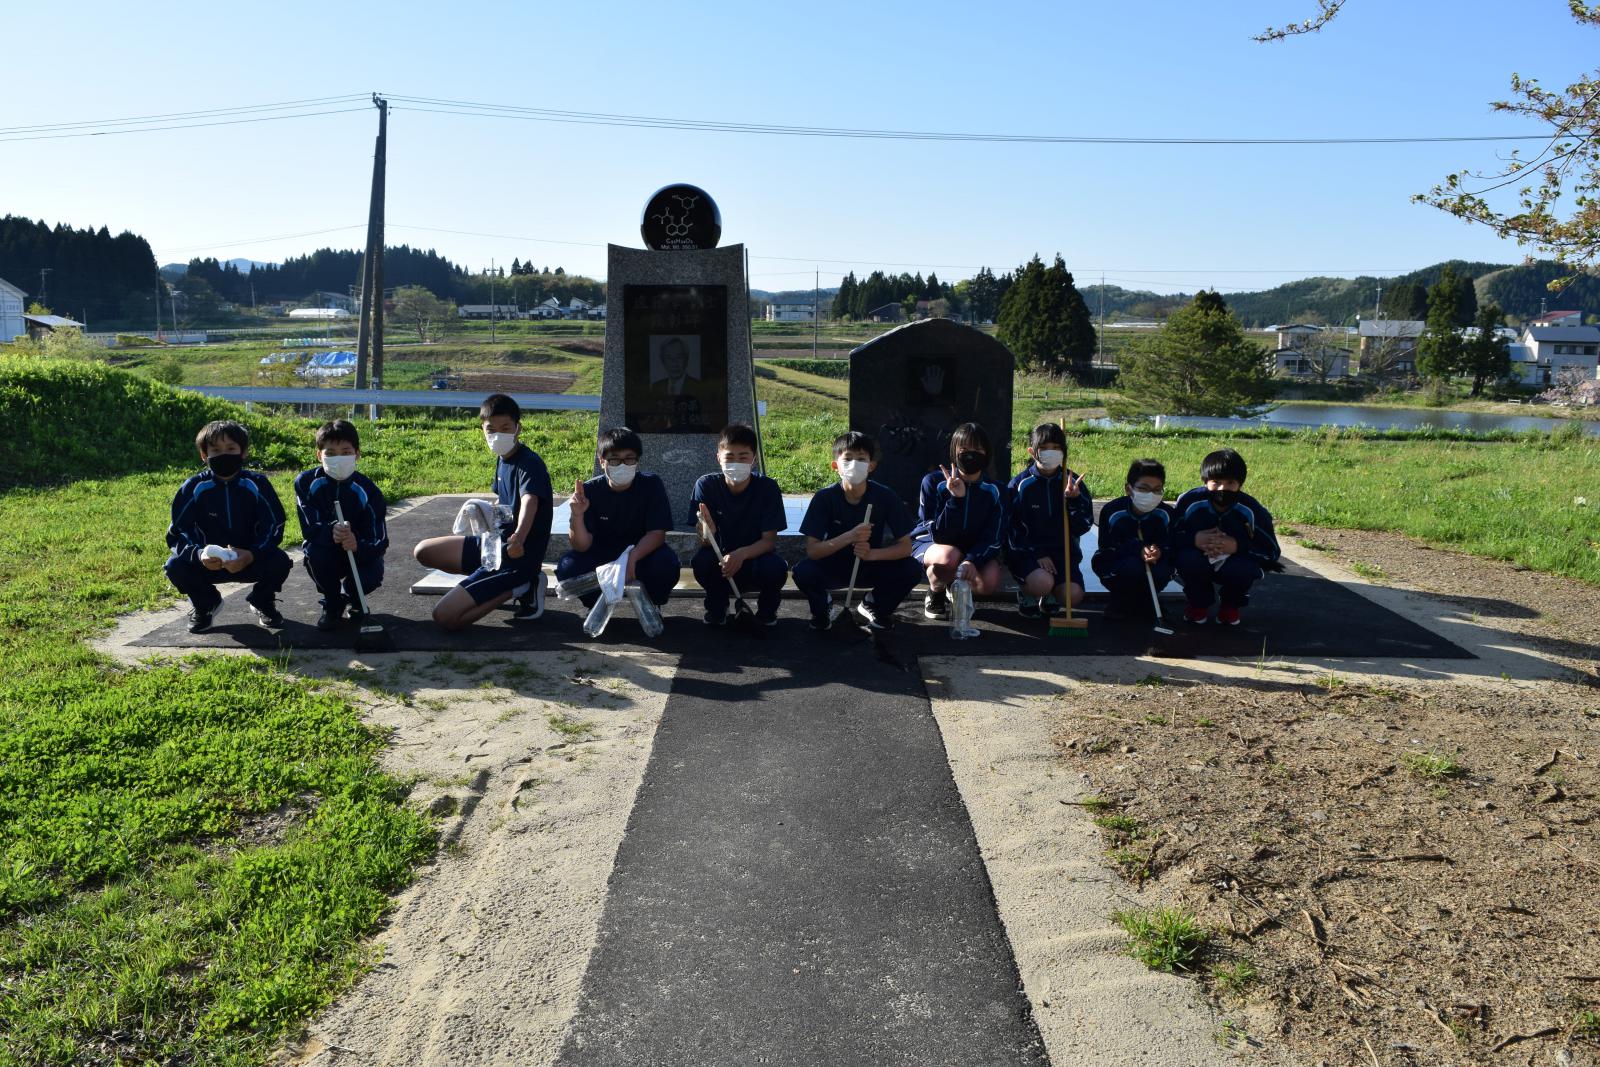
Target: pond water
[[1301, 416]]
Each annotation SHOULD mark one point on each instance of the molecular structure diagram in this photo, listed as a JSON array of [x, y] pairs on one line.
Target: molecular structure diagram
[[678, 225]]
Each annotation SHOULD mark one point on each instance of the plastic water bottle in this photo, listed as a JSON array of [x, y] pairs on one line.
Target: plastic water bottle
[[578, 587], [961, 627], [649, 614], [599, 615]]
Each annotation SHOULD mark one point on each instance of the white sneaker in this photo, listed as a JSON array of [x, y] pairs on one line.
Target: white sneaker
[[531, 606]]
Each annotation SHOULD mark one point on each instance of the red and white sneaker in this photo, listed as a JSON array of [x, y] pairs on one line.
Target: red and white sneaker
[[1197, 616], [1227, 616]]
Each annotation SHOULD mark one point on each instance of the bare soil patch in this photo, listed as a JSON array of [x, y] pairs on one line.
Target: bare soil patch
[[1409, 868], [513, 382]]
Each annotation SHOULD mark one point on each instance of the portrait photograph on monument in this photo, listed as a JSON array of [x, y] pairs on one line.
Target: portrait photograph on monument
[[676, 356]]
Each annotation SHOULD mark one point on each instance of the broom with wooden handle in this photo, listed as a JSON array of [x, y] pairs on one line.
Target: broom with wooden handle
[[1064, 625]]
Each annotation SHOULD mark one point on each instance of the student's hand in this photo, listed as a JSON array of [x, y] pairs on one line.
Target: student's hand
[[210, 563], [861, 534], [579, 502], [954, 482], [514, 546], [628, 574], [1072, 487], [344, 537], [1223, 545], [708, 525], [241, 560], [1047, 565], [731, 564], [1152, 553], [864, 551]]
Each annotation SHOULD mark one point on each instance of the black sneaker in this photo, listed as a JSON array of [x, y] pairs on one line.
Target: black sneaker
[[267, 615], [331, 619], [936, 606], [874, 620], [200, 621], [531, 606], [767, 620], [714, 618], [1116, 611], [820, 622], [1028, 606]]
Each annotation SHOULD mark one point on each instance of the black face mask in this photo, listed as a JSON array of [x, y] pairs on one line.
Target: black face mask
[[1223, 499], [225, 464], [971, 462]]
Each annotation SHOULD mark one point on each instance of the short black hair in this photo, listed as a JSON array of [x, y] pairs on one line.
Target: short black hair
[[338, 430], [737, 434], [1047, 433], [1139, 468], [497, 404], [217, 431], [855, 441], [620, 439], [969, 437], [1223, 465]]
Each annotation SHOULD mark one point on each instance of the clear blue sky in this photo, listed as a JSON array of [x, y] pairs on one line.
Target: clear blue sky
[[1153, 217]]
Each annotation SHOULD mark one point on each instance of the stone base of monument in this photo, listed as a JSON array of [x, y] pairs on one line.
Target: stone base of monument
[[791, 546]]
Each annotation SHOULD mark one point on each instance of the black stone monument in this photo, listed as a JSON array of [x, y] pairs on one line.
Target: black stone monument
[[911, 387]]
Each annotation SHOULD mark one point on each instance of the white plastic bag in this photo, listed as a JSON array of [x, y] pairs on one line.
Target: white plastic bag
[[613, 576], [481, 519], [226, 555]]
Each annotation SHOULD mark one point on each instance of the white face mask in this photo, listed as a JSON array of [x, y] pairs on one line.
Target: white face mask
[[853, 472], [339, 467], [737, 472], [501, 444], [1050, 458], [1144, 503], [621, 475]]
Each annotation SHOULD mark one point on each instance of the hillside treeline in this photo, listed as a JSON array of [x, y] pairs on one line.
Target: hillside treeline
[[90, 272]]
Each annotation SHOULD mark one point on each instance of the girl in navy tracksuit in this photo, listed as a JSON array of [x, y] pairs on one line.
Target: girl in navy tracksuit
[[1040, 562], [962, 520], [1135, 533]]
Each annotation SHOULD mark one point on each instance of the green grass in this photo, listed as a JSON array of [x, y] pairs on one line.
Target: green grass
[[1370, 571], [1233, 978], [1163, 939], [1433, 766]]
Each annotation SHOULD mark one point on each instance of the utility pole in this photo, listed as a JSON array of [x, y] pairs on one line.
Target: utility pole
[[492, 307], [42, 289], [1100, 338], [816, 309], [369, 331], [1377, 306]]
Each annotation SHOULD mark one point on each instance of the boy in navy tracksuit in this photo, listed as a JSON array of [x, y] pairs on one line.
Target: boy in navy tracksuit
[[1135, 534], [227, 508], [837, 534], [522, 489], [962, 521], [1041, 563], [1223, 537], [328, 540], [622, 507], [744, 511]]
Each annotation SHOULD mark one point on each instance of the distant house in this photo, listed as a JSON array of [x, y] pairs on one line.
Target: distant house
[[791, 312], [1391, 343], [887, 313], [576, 308], [598, 311], [1296, 336], [319, 313], [13, 302], [1546, 351], [1311, 361], [39, 325], [549, 309], [487, 311], [1558, 318]]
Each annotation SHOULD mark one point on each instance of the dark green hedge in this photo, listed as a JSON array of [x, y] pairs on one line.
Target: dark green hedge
[[61, 420], [825, 368]]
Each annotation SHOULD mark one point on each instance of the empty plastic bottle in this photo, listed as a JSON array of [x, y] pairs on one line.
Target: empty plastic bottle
[[649, 614], [599, 615], [577, 587], [961, 627]]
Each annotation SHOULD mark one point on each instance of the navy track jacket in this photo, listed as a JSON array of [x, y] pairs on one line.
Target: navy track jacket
[[1035, 505], [1124, 533], [363, 504], [1246, 522], [243, 512], [974, 523]]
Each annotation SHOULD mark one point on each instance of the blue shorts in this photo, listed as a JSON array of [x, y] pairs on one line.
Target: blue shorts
[[515, 576], [1022, 565]]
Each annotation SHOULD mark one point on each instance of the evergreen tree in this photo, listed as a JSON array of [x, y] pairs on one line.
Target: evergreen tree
[[1487, 357], [1198, 364], [1439, 349], [1044, 321], [983, 296], [1466, 300], [516, 266]]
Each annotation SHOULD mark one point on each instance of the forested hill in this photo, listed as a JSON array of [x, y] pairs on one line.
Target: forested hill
[[90, 272]]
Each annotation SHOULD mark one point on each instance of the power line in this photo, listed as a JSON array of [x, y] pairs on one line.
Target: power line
[[596, 118], [172, 115], [258, 240], [181, 125]]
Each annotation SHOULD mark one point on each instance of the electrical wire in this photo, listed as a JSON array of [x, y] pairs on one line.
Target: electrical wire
[[183, 125]]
